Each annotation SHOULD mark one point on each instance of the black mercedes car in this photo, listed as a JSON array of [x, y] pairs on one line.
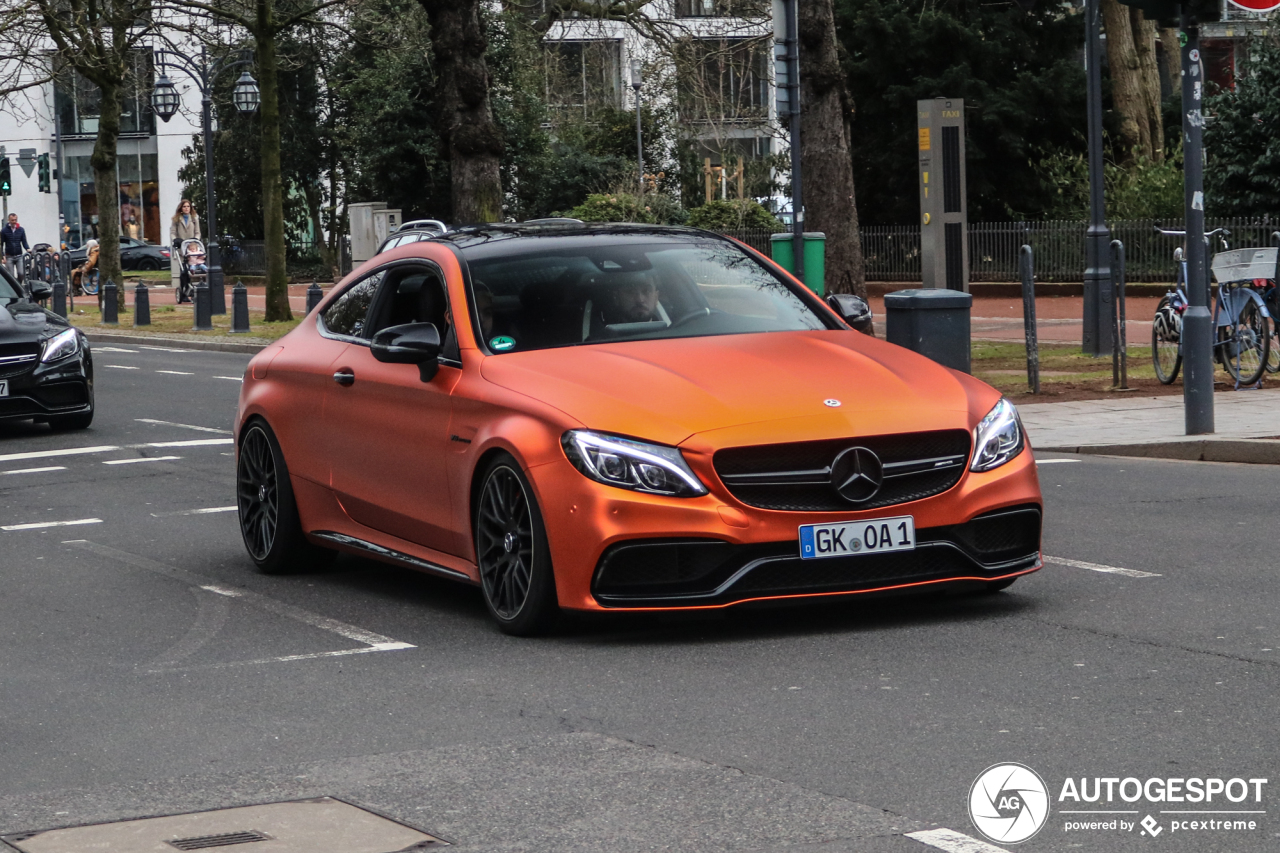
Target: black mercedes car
[[46, 369], [134, 255]]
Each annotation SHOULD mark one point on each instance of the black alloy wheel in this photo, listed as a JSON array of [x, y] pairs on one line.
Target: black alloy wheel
[[151, 264], [1166, 352], [269, 519], [512, 552]]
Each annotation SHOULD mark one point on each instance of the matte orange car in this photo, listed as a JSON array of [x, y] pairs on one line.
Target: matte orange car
[[600, 418]]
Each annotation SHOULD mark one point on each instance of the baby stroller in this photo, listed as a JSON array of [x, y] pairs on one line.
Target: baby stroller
[[193, 269]]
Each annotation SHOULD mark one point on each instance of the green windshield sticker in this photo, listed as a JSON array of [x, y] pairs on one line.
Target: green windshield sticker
[[502, 342]]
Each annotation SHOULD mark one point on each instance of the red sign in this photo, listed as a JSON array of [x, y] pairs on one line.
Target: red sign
[[1258, 5]]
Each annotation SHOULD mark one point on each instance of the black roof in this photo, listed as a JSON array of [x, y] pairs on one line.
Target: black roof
[[515, 238]]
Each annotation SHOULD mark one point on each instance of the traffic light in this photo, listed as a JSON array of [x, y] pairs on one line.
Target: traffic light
[[42, 173], [6, 182]]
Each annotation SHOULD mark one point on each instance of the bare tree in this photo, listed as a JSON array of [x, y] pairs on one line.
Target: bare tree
[[47, 40]]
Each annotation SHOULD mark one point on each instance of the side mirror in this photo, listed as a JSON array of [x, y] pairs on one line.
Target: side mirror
[[854, 310], [411, 343], [40, 291]]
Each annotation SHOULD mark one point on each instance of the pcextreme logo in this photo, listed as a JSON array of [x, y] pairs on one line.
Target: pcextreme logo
[[1009, 803]]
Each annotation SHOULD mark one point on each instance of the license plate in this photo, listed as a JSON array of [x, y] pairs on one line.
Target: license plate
[[4, 387], [853, 538]]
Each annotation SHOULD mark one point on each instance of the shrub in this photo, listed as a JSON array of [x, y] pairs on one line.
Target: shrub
[[722, 215], [612, 207]]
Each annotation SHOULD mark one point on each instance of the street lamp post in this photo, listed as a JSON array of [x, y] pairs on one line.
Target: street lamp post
[[165, 100], [636, 81], [1097, 332]]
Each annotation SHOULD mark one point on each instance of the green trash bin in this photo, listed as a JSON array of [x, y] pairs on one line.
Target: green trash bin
[[815, 256]]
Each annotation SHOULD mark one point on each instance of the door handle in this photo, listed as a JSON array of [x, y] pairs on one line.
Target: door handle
[[345, 377]]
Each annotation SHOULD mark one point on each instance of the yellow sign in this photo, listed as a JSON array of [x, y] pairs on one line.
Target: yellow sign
[[926, 219], [924, 139], [951, 114]]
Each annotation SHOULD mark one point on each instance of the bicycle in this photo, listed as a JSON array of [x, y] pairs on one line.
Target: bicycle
[[1240, 318]]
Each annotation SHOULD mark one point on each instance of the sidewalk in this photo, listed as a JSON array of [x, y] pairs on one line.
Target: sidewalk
[[1247, 428], [1058, 318]]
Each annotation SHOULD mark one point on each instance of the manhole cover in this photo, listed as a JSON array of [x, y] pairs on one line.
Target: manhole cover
[[321, 825]]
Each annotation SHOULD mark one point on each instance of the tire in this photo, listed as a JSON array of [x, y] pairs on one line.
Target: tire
[[1166, 351], [90, 283], [516, 576], [269, 521], [149, 264], [1245, 345], [1273, 352]]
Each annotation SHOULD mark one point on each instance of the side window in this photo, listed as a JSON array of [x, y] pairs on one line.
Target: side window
[[347, 315]]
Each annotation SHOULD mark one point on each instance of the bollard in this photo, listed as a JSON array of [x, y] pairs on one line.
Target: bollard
[[141, 305], [110, 308], [1026, 264], [1119, 346], [202, 318], [59, 297], [217, 294], [239, 309], [314, 295]]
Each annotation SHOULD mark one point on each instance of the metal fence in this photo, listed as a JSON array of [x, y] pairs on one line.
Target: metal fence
[[892, 252], [249, 257]]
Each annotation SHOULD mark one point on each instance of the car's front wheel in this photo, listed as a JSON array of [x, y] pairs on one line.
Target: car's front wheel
[[269, 519], [512, 552]]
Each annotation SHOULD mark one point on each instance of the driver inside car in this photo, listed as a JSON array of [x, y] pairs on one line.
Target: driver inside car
[[633, 300]]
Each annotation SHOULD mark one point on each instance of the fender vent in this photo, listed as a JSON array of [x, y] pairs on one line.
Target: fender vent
[[201, 842]]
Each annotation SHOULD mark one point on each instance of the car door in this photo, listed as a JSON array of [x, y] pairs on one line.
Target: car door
[[387, 430]]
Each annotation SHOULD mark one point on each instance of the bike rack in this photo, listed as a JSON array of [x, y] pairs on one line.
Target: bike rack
[[1119, 342]]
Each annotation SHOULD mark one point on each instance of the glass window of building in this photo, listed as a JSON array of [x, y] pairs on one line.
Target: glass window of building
[[723, 80], [584, 76], [79, 103], [722, 8]]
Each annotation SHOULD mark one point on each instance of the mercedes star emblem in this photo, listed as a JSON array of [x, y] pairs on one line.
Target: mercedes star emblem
[[857, 474], [833, 403]]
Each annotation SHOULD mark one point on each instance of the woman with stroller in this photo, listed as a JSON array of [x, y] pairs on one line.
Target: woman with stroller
[[185, 226]]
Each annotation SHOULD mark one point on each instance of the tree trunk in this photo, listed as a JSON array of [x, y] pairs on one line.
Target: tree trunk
[[272, 187], [1171, 48], [1126, 88], [474, 140], [826, 159], [107, 187], [1144, 43]]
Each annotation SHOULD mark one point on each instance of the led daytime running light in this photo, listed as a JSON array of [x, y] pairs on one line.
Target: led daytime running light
[[592, 454], [61, 345], [997, 438]]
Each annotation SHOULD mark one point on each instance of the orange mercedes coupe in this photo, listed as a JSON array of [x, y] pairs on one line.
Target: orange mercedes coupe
[[622, 417]]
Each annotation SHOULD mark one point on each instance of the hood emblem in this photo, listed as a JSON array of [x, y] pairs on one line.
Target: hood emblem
[[833, 403], [857, 474]]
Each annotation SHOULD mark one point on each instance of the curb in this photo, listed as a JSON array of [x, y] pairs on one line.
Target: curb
[[176, 343], [1250, 451]]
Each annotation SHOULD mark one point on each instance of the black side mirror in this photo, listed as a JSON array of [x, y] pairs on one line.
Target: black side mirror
[[854, 310], [40, 291], [411, 343]]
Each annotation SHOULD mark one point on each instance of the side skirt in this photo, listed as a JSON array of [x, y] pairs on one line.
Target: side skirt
[[371, 549]]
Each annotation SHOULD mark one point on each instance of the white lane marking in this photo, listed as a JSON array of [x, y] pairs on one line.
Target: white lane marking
[[1054, 461], [221, 590], [69, 451], [198, 442], [113, 349], [35, 470], [371, 641], [952, 841], [232, 378], [188, 426], [1096, 567], [38, 525], [120, 366], [142, 459], [165, 349], [176, 372], [205, 511]]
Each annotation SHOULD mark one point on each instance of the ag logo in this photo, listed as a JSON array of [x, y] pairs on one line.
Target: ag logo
[[1009, 803]]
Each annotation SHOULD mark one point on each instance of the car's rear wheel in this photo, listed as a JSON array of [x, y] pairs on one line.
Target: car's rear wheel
[[150, 264], [269, 520], [511, 551]]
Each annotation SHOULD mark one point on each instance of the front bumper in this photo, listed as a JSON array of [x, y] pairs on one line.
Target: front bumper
[[714, 551], [64, 387]]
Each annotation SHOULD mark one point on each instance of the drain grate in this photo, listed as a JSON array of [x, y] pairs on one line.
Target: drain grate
[[200, 842]]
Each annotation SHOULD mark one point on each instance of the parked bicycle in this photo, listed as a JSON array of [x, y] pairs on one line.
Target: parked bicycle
[[1242, 323]]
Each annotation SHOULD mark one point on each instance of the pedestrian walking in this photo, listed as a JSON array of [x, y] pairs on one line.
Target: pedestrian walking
[[14, 237], [186, 226]]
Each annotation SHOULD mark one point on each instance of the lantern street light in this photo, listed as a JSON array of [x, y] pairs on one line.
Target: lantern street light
[[637, 80], [165, 101]]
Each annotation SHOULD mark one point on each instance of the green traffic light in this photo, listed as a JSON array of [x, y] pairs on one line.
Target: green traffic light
[[6, 182]]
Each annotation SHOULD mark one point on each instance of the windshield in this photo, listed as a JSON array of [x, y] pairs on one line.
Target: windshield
[[602, 291], [10, 292]]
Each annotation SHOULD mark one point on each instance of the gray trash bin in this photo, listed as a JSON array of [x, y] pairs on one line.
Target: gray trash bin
[[932, 322]]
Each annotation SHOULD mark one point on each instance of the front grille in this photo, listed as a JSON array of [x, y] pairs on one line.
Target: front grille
[[203, 842], [16, 367], [844, 573], [796, 477], [60, 395]]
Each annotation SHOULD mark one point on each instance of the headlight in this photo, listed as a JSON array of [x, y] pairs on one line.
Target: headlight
[[629, 464], [61, 345], [997, 438]]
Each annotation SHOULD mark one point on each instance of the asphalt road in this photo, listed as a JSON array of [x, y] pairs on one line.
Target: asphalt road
[[145, 669]]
